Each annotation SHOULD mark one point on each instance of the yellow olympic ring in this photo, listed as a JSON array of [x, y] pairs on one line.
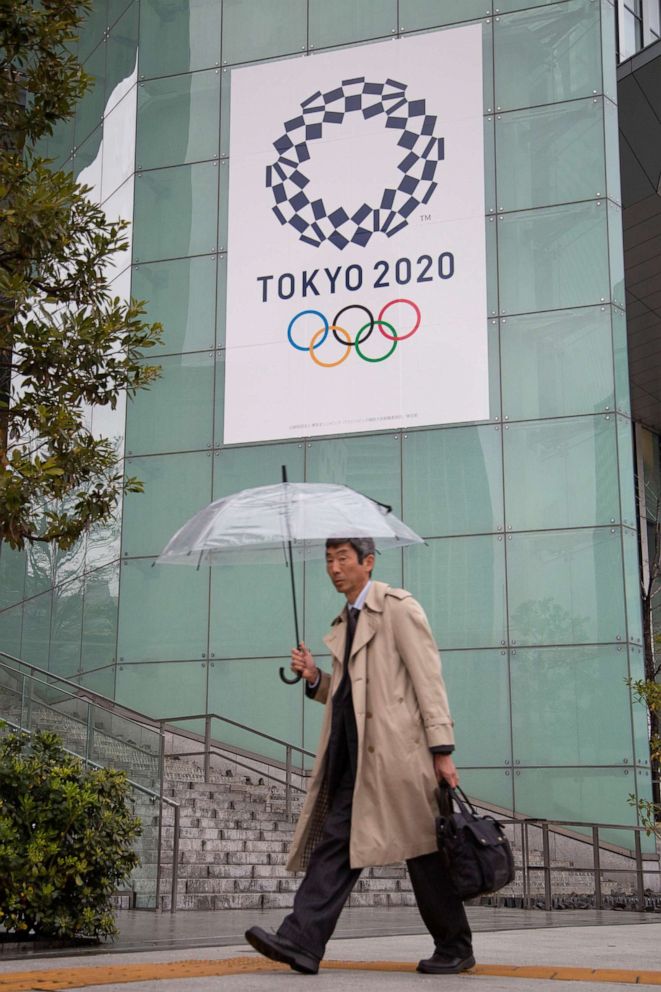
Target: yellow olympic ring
[[324, 330]]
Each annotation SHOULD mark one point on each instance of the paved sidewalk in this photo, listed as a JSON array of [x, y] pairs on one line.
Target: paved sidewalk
[[622, 948]]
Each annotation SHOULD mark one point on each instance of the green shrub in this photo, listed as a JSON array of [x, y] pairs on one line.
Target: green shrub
[[66, 839]]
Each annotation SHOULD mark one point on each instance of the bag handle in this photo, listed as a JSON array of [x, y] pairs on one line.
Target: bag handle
[[458, 796]]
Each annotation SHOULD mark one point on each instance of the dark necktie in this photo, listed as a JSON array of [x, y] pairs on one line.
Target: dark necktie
[[352, 620]]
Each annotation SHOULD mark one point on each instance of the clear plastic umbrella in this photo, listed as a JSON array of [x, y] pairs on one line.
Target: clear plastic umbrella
[[283, 523]]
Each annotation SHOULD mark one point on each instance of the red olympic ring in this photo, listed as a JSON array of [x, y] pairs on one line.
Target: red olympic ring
[[398, 337]]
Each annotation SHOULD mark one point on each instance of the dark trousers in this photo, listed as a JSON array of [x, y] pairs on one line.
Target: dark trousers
[[330, 878]]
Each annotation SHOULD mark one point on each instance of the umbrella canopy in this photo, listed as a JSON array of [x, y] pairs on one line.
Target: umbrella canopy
[[262, 524]]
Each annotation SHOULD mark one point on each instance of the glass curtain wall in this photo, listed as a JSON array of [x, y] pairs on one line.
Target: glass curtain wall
[[530, 576]]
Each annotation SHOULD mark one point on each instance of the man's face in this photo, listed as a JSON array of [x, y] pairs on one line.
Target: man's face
[[347, 574]]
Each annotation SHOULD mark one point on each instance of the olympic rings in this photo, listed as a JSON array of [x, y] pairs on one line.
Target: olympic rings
[[331, 365], [400, 337], [343, 337], [394, 340], [354, 306], [317, 313]]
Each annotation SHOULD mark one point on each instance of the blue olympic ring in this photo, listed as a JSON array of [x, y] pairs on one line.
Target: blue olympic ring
[[317, 313]]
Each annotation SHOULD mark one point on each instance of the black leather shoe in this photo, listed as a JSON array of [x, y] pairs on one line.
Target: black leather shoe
[[439, 965], [277, 948]]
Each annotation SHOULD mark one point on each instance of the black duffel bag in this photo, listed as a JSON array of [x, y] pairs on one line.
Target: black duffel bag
[[476, 851]]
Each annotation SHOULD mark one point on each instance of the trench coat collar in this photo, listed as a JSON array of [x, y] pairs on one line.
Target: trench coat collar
[[366, 626]]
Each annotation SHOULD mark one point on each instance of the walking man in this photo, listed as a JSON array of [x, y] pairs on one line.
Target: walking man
[[386, 742]]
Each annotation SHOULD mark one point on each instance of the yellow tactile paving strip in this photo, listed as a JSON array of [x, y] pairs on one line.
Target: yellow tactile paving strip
[[73, 978]]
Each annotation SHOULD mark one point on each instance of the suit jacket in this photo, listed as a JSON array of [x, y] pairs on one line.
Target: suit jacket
[[401, 710]]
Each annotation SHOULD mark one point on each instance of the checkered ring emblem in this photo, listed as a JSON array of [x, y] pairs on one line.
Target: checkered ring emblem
[[317, 221]]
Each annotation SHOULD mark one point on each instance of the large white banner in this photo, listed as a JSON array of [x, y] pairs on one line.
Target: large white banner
[[356, 296]]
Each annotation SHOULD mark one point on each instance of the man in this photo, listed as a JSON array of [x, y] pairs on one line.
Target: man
[[386, 742]]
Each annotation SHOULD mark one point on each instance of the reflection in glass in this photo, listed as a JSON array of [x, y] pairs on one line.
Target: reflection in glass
[[99, 633], [557, 364], [369, 464], [449, 577], [571, 706], [452, 480], [550, 155], [178, 119], [153, 685], [565, 587], [479, 694], [561, 473], [345, 21], [542, 56], [242, 468], [176, 212], [181, 294], [553, 258], [256, 29], [178, 37]]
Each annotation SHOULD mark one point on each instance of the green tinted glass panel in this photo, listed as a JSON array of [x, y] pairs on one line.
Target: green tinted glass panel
[[491, 785], [99, 637], [416, 14], [491, 245], [553, 258], [557, 364], [223, 203], [11, 621], [175, 413], [60, 143], [242, 593], [482, 718], [565, 587], [490, 164], [547, 56], [550, 155], [122, 56], [39, 569], [87, 162], [66, 628], [570, 706], [219, 398], [632, 581], [163, 690], [181, 294], [35, 640], [89, 110], [274, 709], [176, 487], [163, 612], [621, 358], [92, 28], [506, 6], [259, 29], [561, 473], [347, 21], [102, 681], [616, 251], [590, 794], [225, 99], [372, 465], [612, 148], [626, 460], [242, 468], [176, 212], [608, 47], [179, 37], [178, 119], [221, 300], [12, 576], [641, 740], [323, 603], [449, 577], [452, 480]]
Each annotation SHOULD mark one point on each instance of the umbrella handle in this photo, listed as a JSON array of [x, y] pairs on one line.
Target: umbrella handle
[[297, 678]]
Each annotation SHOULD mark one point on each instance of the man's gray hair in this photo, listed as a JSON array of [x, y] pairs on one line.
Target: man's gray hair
[[363, 546]]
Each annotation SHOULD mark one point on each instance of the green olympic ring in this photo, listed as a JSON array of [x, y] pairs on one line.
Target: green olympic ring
[[369, 325]]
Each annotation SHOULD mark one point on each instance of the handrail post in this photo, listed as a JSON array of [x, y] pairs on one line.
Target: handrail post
[[89, 736], [640, 888], [207, 748], [159, 840], [288, 781], [547, 867], [596, 860], [175, 862], [525, 868], [26, 702]]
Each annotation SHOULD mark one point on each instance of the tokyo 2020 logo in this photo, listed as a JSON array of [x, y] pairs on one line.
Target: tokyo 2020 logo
[[317, 221], [343, 337]]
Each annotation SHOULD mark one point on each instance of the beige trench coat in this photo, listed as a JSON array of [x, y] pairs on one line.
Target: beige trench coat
[[401, 711]]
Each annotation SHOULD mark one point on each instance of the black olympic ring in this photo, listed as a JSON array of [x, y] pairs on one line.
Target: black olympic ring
[[336, 320]]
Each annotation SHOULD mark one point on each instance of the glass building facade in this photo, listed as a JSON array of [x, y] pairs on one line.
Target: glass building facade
[[531, 574]]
